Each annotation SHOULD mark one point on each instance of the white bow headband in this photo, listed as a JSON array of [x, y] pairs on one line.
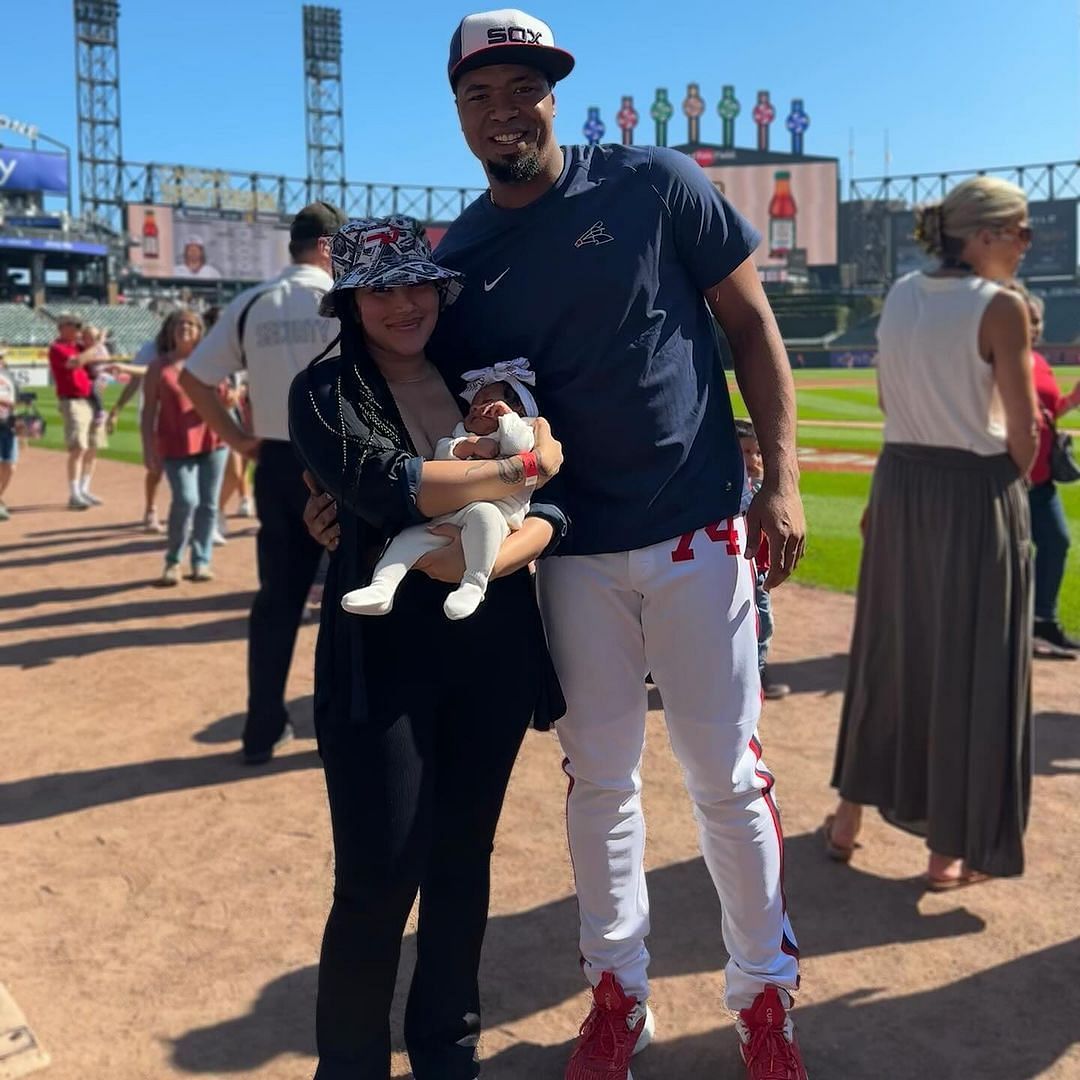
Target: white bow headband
[[515, 373]]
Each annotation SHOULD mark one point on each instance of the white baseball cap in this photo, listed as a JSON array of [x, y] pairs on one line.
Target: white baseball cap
[[507, 36]]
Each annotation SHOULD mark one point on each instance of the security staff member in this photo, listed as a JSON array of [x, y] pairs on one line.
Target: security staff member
[[272, 331]]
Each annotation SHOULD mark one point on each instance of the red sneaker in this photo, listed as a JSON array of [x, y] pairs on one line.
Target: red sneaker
[[769, 1048], [617, 1028]]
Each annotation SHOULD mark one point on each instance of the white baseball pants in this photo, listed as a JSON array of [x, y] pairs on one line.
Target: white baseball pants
[[683, 610]]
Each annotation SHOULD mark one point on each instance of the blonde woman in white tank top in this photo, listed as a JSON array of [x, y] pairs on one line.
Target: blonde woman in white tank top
[[936, 715]]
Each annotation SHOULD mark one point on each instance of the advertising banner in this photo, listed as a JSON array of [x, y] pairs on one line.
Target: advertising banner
[[1053, 243], [793, 205], [27, 376], [201, 245], [64, 247], [1052, 253], [32, 170]]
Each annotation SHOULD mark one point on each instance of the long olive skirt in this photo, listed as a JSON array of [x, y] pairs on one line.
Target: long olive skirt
[[936, 724]]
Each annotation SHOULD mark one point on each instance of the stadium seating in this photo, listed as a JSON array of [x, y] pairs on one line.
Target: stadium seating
[[128, 326], [20, 325], [1062, 325]]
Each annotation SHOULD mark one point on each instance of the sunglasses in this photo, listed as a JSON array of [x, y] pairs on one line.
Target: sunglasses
[[1023, 233]]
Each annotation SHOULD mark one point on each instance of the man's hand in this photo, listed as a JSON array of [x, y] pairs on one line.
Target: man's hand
[[320, 515], [548, 450], [779, 515], [448, 563]]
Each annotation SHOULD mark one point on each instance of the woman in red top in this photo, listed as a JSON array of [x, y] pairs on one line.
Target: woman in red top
[[1049, 530], [178, 441]]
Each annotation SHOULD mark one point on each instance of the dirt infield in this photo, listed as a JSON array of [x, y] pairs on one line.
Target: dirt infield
[[162, 906]]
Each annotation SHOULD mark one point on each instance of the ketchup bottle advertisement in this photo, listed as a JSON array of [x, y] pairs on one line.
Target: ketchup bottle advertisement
[[782, 212]]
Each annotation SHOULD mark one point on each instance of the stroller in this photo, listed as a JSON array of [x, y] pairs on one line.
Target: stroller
[[27, 419]]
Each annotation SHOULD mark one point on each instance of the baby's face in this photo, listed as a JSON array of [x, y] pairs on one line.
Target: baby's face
[[489, 404], [755, 467]]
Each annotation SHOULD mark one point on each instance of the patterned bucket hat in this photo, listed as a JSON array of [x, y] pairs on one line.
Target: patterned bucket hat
[[383, 253]]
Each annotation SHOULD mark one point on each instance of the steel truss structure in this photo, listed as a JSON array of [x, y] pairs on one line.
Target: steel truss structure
[[97, 74], [264, 193], [1056, 180], [323, 104]]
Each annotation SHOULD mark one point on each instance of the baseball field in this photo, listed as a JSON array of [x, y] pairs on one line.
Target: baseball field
[[840, 428], [162, 905]]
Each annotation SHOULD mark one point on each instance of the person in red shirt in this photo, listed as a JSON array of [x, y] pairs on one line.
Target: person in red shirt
[[178, 442], [68, 360], [1049, 530]]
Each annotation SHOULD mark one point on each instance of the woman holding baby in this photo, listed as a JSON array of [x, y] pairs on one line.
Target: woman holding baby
[[419, 715]]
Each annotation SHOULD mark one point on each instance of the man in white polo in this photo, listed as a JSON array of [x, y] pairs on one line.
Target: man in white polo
[[272, 331]]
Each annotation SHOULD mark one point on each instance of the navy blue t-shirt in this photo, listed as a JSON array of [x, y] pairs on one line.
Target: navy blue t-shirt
[[599, 284]]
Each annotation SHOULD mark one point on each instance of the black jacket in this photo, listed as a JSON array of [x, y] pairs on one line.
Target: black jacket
[[347, 430]]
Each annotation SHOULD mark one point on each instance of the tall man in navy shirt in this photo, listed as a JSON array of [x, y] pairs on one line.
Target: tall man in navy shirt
[[605, 266]]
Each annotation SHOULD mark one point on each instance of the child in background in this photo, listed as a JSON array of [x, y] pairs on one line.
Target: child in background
[[755, 474], [94, 337]]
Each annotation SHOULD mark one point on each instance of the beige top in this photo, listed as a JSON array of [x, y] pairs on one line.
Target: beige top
[[428, 409], [936, 388]]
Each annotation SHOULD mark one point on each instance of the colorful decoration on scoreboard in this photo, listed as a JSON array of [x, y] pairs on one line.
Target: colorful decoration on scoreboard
[[661, 112], [693, 106], [764, 114], [627, 119], [729, 108], [797, 123], [594, 128]]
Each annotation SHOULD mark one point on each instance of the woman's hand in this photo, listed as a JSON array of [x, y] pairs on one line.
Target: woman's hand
[[476, 447], [447, 563], [320, 515], [548, 451]]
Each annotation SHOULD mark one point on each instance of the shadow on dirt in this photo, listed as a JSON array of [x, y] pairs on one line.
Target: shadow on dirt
[[44, 651], [66, 793], [164, 605], [76, 595], [230, 728], [530, 965], [816, 675], [1057, 744], [145, 546]]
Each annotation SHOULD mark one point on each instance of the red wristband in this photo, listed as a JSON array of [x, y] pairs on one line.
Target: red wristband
[[532, 469]]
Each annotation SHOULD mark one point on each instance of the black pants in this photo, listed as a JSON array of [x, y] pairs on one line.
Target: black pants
[[415, 796], [288, 558]]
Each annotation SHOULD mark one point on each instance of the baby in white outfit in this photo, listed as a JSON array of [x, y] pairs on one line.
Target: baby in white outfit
[[499, 424]]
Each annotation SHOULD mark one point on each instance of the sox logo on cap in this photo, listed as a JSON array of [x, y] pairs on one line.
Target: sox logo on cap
[[506, 36]]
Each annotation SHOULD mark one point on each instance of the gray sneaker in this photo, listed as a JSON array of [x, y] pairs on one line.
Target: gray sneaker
[[77, 502]]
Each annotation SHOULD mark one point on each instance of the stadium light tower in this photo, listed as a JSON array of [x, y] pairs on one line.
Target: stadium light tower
[[97, 73], [325, 119]]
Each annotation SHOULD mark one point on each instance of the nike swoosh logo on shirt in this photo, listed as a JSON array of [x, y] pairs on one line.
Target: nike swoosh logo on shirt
[[489, 285]]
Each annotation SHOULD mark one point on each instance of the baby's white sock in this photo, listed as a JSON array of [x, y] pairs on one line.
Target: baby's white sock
[[376, 599], [463, 601]]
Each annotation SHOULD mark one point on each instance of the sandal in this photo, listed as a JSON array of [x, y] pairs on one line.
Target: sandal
[[960, 881], [835, 851]]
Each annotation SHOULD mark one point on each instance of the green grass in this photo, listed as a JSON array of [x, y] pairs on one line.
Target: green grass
[[124, 444], [834, 504], [834, 500]]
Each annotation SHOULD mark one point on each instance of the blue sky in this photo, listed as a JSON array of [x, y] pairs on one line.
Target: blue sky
[[957, 84]]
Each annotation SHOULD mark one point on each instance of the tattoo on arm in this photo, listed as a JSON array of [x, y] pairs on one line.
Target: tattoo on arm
[[511, 470]]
